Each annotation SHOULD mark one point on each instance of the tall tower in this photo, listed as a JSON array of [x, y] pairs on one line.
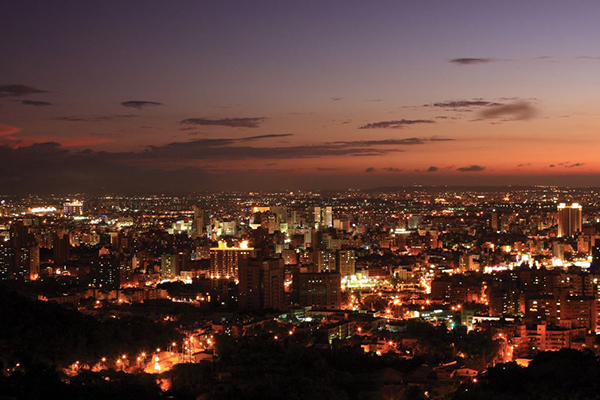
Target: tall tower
[[569, 219], [261, 284], [201, 221]]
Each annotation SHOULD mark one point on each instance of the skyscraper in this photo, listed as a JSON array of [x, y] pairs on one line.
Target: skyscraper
[[261, 284], [320, 290], [225, 261], [61, 248], [569, 219], [201, 221], [346, 262]]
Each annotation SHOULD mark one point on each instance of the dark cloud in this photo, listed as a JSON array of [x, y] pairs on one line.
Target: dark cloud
[[521, 110], [435, 139], [393, 169], [463, 104], [472, 61], [433, 169], [471, 168], [237, 148], [253, 122], [336, 98], [169, 166], [395, 124], [139, 104], [394, 142], [575, 165], [35, 103], [552, 165], [18, 90], [524, 165], [95, 118], [370, 169]]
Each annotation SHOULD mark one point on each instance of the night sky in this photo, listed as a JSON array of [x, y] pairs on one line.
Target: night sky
[[259, 95]]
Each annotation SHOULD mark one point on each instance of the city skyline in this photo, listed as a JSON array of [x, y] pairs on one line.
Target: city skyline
[[208, 96]]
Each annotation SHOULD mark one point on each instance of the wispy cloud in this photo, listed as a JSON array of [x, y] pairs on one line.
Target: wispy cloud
[[521, 110], [471, 168], [472, 61], [18, 90], [575, 165], [395, 142], [35, 103], [252, 122], [463, 104], [139, 104], [95, 118], [395, 124]]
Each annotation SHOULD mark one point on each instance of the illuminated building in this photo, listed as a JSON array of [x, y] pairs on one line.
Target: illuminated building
[[328, 217], [105, 272], [171, 265], [225, 261], [290, 257], [323, 216], [324, 260], [317, 216], [569, 219], [73, 208], [494, 221], [319, 290], [261, 284], [201, 221], [26, 264], [6, 260], [346, 262]]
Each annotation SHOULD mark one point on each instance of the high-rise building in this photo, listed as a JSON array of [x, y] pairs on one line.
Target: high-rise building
[[569, 219], [225, 261], [319, 290], [324, 260], [328, 216], [61, 248], [171, 265], [73, 208], [26, 252], [317, 215], [261, 284], [7, 259], [346, 262], [201, 221], [323, 216], [105, 272], [494, 221]]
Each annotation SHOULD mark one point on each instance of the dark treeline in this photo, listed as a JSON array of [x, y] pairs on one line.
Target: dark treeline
[[563, 375], [35, 332]]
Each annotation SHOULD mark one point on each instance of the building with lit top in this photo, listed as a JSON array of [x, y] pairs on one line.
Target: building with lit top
[[225, 261], [569, 219], [73, 208]]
